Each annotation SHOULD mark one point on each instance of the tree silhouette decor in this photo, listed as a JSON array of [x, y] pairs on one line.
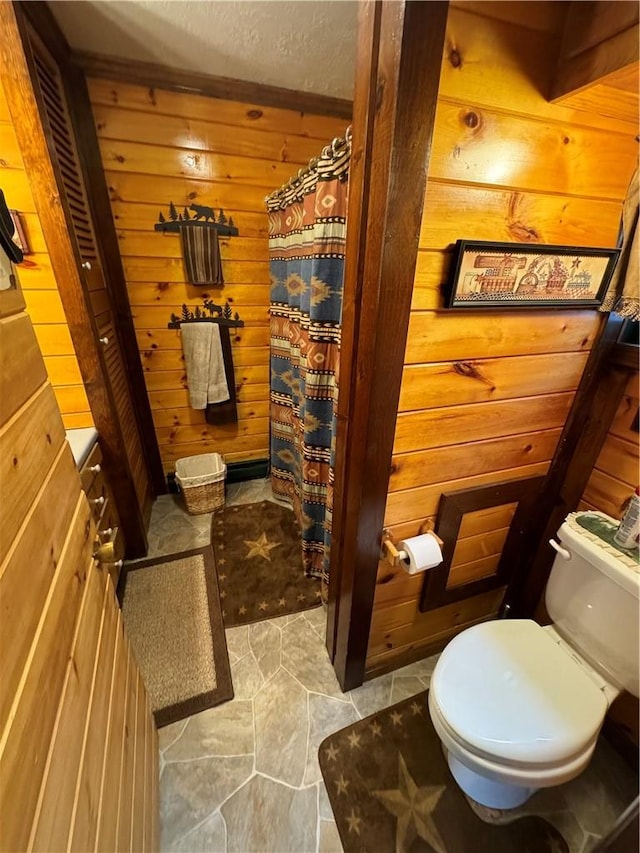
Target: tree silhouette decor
[[209, 312], [203, 216]]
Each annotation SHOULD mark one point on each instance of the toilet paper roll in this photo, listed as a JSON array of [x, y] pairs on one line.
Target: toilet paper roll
[[420, 553]]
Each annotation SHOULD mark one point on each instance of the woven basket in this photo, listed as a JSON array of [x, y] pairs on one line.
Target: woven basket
[[207, 498], [201, 480]]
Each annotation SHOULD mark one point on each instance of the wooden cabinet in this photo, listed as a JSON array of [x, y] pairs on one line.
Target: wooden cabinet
[[74, 715], [95, 484], [49, 143]]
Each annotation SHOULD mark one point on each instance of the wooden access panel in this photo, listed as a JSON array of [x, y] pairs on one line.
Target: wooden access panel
[[65, 661], [456, 578]]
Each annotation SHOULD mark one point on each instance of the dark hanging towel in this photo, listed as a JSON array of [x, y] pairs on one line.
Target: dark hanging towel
[[201, 253], [226, 412]]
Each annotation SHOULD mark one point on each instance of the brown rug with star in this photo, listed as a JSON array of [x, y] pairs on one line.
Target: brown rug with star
[[259, 562], [391, 790]]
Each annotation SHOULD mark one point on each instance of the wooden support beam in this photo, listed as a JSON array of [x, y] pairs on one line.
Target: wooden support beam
[[400, 47]]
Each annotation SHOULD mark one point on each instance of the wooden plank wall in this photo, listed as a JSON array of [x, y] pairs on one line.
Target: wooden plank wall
[[39, 284], [617, 470], [159, 146], [485, 395], [613, 479], [67, 670]]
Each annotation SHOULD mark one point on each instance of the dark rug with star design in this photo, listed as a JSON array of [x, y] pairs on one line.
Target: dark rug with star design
[[391, 791], [259, 562]]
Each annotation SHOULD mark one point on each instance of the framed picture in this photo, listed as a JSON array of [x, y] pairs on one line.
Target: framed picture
[[19, 237], [529, 275]]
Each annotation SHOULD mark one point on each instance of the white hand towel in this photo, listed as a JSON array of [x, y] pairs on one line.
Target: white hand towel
[[204, 362]]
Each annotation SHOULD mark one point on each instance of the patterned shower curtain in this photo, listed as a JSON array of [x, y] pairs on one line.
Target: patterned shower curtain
[[307, 226]]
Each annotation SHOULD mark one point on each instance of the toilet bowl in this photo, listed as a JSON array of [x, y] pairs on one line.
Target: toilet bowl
[[519, 707]]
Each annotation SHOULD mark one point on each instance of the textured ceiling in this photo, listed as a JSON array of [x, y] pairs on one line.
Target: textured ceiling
[[307, 45]]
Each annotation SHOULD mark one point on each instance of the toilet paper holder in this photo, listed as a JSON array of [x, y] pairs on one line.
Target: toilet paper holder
[[390, 550]]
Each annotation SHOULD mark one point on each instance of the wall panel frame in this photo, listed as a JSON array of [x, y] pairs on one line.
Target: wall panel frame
[[453, 507]]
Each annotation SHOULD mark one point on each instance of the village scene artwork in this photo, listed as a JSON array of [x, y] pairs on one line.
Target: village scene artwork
[[515, 274]]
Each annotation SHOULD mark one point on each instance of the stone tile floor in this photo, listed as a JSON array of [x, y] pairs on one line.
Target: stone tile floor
[[244, 776]]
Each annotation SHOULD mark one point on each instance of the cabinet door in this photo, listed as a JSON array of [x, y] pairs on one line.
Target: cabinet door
[[89, 308]]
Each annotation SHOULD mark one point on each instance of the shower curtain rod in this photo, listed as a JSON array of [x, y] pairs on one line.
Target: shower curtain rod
[[335, 148]]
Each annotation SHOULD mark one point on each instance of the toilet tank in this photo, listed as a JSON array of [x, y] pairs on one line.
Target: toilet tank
[[593, 598]]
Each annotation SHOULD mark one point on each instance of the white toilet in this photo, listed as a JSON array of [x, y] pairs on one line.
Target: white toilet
[[519, 707]]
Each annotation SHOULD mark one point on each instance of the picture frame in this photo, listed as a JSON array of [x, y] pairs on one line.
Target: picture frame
[[19, 236], [528, 275]]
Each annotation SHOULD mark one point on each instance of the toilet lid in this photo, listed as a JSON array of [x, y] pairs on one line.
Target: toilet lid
[[507, 690]]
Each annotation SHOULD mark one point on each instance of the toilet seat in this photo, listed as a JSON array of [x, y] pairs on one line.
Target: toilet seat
[[506, 693]]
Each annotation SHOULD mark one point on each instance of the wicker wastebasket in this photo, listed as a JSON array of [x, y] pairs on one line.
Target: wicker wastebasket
[[201, 480]]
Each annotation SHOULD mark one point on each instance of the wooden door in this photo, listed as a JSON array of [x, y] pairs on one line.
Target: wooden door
[[85, 295], [74, 716]]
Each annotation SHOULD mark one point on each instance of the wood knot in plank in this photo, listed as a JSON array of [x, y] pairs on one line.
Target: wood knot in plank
[[455, 57], [471, 119], [254, 114], [523, 233], [469, 370]]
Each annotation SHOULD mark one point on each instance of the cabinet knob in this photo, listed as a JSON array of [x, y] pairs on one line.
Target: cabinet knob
[[86, 265], [95, 469], [98, 501], [107, 548], [104, 341]]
